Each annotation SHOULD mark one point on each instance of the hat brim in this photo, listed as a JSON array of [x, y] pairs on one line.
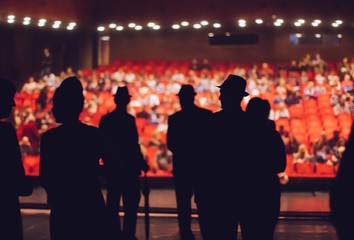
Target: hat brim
[[185, 94], [118, 95], [245, 94]]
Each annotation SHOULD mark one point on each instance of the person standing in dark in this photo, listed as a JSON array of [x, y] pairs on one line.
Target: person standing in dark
[[266, 161], [342, 194], [69, 169], [46, 63], [185, 128], [123, 174], [12, 175], [222, 179]]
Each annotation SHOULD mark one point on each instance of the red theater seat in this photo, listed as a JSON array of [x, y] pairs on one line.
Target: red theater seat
[[304, 168], [31, 165], [324, 169]]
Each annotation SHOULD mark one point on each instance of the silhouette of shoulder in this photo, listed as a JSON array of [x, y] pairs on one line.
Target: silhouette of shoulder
[[196, 111], [6, 126], [115, 114]]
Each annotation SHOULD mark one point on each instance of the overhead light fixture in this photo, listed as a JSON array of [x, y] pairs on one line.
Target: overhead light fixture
[[176, 26], [259, 21], [119, 28], [217, 25], [101, 28], [185, 23]]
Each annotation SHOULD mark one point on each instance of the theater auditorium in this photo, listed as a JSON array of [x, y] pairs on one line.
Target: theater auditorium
[[297, 55]]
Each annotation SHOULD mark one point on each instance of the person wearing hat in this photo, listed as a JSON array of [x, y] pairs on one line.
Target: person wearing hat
[[123, 173], [221, 186], [12, 175], [186, 128], [69, 168]]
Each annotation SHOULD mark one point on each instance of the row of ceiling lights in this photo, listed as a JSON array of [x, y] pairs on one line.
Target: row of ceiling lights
[[240, 23], [11, 19]]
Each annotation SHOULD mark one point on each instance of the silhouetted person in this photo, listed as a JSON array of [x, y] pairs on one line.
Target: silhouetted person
[[267, 159], [46, 63], [185, 128], [342, 195], [12, 175], [222, 177], [123, 174], [69, 169]]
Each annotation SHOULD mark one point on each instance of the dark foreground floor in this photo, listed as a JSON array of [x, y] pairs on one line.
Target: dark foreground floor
[[164, 227]]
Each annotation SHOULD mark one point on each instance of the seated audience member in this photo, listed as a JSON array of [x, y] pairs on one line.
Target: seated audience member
[[292, 145], [194, 65], [319, 64], [164, 159], [25, 146], [281, 112], [292, 96], [205, 65], [309, 91], [302, 155], [30, 86], [334, 139], [342, 106], [283, 133]]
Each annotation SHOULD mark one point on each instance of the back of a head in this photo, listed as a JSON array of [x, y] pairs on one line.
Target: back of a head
[[186, 95], [122, 96], [7, 88], [7, 93], [258, 108], [68, 97]]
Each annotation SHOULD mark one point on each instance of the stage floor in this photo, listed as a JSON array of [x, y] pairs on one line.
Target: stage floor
[[163, 200], [36, 226], [304, 216]]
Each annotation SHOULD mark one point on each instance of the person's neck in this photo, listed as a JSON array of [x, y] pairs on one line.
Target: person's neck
[[188, 106], [70, 121]]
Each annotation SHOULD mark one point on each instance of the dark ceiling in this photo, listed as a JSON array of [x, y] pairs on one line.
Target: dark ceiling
[[94, 12]]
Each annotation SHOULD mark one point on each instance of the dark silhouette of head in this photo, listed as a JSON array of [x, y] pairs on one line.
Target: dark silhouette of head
[[122, 96], [232, 91], [258, 108], [186, 95], [68, 100], [7, 94]]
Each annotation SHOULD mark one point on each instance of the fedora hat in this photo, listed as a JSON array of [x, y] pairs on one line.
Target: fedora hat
[[186, 90], [122, 92], [234, 83]]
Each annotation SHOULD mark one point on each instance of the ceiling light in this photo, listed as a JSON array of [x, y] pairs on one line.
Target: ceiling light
[[156, 27], [131, 25], [176, 26], [217, 25], [138, 27], [112, 25], [100, 28], [197, 26], [119, 28], [185, 23], [151, 24], [259, 21]]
